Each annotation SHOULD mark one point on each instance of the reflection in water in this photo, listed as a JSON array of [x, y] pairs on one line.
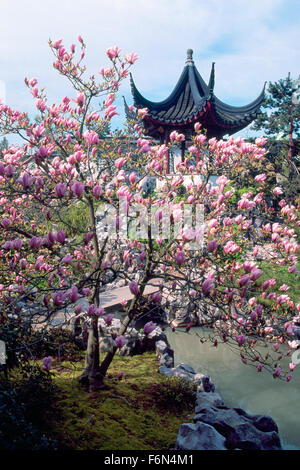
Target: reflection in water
[[241, 385]]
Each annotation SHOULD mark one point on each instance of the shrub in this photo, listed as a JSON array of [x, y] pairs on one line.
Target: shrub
[[175, 393], [24, 404]]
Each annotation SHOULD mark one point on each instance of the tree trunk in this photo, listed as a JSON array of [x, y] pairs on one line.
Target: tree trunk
[[291, 151], [92, 375], [110, 355]]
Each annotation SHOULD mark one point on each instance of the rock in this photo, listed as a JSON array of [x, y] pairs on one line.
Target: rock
[[178, 371], [160, 347], [242, 412], [167, 359], [297, 330], [164, 354], [199, 436], [203, 383], [265, 423], [106, 344], [186, 368], [207, 400], [247, 437], [239, 431], [165, 371]]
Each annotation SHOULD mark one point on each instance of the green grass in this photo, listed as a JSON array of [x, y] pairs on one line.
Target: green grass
[[126, 415]]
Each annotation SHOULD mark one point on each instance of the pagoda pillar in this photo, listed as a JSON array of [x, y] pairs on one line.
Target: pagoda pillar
[[167, 140], [182, 150]]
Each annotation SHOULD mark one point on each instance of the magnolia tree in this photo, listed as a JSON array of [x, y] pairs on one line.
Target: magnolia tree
[[199, 249]]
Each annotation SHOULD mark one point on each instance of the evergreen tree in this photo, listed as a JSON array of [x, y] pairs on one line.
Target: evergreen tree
[[280, 122], [3, 144]]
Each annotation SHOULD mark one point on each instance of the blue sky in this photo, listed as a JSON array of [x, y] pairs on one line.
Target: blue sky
[[251, 42]]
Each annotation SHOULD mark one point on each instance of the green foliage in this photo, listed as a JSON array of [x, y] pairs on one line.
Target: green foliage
[[175, 393], [239, 191], [55, 342], [74, 219], [24, 406], [280, 122], [3, 144], [283, 110], [15, 336]]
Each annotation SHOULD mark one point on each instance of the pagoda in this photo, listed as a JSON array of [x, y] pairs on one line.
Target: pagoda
[[191, 101]]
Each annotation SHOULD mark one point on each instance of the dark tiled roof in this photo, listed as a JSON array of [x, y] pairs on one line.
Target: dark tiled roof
[[190, 97]]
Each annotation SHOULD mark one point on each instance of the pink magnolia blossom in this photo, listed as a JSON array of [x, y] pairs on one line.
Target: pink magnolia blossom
[[97, 191], [131, 58], [47, 363], [99, 312], [73, 294], [5, 222], [91, 137], [134, 288], [207, 285], [231, 247], [212, 245], [110, 112], [175, 136], [244, 280], [61, 236], [180, 258], [142, 113], [255, 274], [120, 341], [60, 189], [120, 162], [120, 375], [59, 298], [240, 339], [26, 180], [80, 99], [108, 319], [277, 191], [277, 372], [113, 52], [77, 188], [260, 178], [156, 297], [149, 327], [36, 242], [67, 259]]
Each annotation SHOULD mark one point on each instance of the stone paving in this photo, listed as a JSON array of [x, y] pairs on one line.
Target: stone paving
[[110, 300]]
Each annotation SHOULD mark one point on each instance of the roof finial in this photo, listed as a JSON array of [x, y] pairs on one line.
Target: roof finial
[[211, 83], [189, 56]]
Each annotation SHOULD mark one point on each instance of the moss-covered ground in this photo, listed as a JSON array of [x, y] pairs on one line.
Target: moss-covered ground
[[126, 415]]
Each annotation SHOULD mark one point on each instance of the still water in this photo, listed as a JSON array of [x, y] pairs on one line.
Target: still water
[[240, 385]]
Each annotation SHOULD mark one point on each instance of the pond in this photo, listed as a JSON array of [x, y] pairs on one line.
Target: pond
[[240, 385]]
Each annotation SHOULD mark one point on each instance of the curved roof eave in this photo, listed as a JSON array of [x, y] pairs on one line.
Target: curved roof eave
[[247, 109], [141, 101]]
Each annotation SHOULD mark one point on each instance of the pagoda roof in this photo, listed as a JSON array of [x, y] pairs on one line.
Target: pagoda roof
[[193, 100]]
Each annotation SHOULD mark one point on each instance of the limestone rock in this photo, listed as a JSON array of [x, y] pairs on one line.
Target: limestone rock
[[239, 431], [203, 383], [206, 400], [265, 423], [199, 436]]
